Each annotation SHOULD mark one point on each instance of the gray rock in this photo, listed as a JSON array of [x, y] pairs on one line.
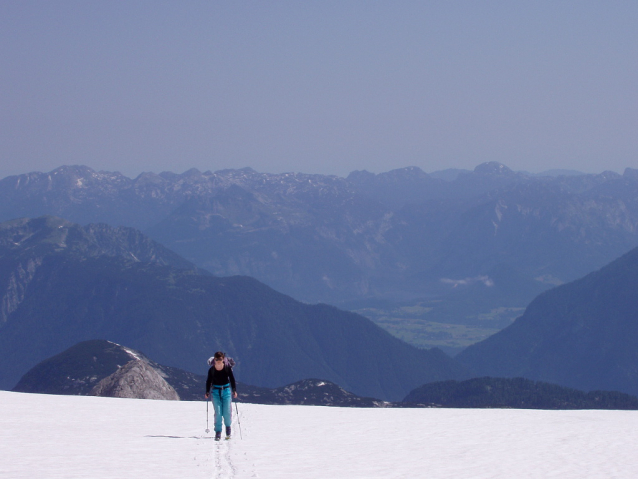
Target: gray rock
[[136, 379]]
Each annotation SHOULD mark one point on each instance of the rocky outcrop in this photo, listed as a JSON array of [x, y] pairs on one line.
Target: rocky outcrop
[[78, 369], [16, 286], [136, 379]]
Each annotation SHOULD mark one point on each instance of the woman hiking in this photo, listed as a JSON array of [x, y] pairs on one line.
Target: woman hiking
[[220, 376]]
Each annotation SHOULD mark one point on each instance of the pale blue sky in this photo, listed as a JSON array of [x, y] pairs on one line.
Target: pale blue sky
[[318, 86]]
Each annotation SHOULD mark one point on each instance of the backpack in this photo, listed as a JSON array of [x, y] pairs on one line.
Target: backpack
[[228, 362]]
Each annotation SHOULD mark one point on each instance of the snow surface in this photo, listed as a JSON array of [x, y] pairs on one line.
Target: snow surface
[[44, 436]]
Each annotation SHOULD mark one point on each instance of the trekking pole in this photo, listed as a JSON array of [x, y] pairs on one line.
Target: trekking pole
[[238, 422], [207, 430]]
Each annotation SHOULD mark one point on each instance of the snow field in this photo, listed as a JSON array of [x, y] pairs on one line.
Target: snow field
[[79, 437]]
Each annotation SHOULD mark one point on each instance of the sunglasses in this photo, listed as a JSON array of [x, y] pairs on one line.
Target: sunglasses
[[219, 359]]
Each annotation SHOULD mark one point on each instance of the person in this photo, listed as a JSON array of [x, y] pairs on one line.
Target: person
[[221, 378]]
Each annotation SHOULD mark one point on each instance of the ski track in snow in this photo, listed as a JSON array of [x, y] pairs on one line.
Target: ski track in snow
[[78, 437], [224, 467]]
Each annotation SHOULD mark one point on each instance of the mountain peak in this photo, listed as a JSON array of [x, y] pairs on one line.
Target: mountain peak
[[79, 170], [76, 370], [191, 172], [631, 173], [493, 168]]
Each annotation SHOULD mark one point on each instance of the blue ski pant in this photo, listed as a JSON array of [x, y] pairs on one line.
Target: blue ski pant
[[222, 405]]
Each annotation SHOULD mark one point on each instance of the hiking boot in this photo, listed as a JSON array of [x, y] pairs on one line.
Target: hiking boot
[[227, 432], [218, 435]]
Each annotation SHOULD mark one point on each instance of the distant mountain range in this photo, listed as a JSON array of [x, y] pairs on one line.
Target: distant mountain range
[[62, 283], [403, 237], [59, 285]]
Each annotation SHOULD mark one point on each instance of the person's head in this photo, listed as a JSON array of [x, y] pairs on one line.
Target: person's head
[[218, 360], [219, 357]]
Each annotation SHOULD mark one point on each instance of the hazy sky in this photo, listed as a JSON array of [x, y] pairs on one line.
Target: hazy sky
[[318, 86]]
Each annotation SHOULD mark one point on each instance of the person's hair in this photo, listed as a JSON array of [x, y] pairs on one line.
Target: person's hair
[[219, 355]]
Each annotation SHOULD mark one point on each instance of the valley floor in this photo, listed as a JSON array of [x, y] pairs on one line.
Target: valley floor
[[80, 437]]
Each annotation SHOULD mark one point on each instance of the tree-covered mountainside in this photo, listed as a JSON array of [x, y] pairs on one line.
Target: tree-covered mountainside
[[581, 335], [178, 317], [516, 393]]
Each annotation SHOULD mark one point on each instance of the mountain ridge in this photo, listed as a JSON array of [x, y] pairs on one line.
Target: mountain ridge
[[353, 226], [516, 393]]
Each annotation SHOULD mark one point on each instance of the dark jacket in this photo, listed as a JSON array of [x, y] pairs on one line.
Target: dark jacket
[[220, 378]]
